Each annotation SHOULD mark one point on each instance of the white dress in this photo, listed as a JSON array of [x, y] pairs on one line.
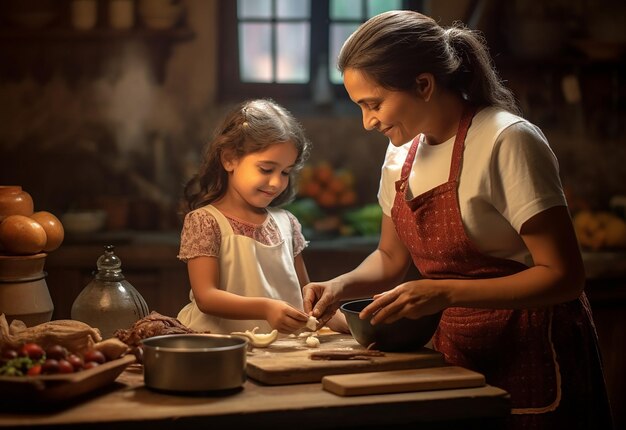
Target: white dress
[[252, 269]]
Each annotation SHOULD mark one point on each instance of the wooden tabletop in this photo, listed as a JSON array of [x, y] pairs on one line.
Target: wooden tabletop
[[127, 403]]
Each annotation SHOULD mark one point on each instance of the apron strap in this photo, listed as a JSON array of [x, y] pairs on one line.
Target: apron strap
[[459, 142]]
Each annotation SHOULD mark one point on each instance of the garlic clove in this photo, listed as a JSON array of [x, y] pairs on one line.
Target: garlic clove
[[312, 323], [258, 340]]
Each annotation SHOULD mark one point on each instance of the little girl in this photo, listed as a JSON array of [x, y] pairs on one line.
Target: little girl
[[243, 253]]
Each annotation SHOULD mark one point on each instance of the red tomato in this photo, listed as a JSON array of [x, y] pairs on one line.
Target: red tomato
[[94, 355], [8, 354], [34, 371], [91, 365], [32, 351], [76, 362], [50, 366], [57, 352], [65, 366]]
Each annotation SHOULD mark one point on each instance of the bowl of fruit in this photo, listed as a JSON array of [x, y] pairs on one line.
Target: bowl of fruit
[[56, 361]]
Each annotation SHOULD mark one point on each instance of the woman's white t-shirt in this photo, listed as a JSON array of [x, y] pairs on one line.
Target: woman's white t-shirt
[[508, 175]]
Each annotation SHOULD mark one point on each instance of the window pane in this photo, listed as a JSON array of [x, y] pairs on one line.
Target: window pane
[[374, 7], [254, 8], [346, 9], [255, 52], [293, 8], [293, 52], [339, 33]]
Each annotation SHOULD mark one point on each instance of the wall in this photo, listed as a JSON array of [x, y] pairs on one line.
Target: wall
[[125, 134]]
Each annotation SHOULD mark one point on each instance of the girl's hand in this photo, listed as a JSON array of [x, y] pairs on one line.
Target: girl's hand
[[413, 300], [320, 300], [284, 317]]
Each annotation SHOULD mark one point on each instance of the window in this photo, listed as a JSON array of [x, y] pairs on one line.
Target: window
[[280, 48]]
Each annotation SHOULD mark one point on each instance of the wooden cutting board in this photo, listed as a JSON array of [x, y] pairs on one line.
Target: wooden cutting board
[[399, 381], [287, 360]]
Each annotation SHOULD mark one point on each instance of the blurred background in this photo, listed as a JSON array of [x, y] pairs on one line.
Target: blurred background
[[106, 104]]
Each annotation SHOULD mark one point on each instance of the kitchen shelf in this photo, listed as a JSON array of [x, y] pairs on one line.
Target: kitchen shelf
[[55, 35], [79, 54]]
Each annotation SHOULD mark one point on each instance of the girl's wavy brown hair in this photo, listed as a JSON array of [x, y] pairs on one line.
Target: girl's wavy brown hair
[[252, 126]]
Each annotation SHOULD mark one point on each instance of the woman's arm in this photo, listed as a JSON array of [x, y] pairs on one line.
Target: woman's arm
[[557, 276], [384, 267], [204, 277]]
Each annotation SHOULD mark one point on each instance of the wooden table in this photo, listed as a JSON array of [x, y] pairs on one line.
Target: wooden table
[[128, 404]]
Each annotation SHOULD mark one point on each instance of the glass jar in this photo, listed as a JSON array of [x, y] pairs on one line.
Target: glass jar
[[109, 302]]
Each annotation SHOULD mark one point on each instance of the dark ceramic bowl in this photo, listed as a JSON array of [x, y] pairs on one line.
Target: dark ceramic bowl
[[403, 335]]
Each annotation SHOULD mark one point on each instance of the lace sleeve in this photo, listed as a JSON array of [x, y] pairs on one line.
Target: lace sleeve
[[299, 242], [200, 236]]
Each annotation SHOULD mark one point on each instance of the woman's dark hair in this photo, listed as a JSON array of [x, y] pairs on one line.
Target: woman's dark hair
[[251, 127], [394, 47]]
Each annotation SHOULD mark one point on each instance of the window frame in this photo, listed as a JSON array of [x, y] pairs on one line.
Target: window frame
[[230, 87]]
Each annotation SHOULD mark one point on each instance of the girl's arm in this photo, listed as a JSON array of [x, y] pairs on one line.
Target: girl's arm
[[204, 277], [303, 275]]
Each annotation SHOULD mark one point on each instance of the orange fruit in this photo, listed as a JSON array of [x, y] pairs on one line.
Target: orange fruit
[[323, 173], [311, 189], [348, 198], [327, 199], [53, 228], [337, 185], [22, 235]]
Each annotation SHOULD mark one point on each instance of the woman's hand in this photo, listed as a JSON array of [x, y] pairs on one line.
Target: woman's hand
[[413, 300], [284, 317], [338, 323], [321, 300]]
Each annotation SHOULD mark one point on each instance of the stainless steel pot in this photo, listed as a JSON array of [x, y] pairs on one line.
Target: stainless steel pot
[[194, 362]]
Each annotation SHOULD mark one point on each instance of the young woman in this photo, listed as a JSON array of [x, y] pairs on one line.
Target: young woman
[[471, 195]]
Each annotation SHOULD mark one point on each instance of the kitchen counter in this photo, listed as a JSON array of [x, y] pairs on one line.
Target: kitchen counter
[[128, 404], [150, 264], [598, 264]]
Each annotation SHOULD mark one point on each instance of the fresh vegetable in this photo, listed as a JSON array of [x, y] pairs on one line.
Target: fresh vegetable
[[76, 361], [328, 187], [50, 366], [366, 220], [57, 352], [19, 366], [95, 356], [306, 210], [30, 359], [32, 351], [65, 366], [34, 371]]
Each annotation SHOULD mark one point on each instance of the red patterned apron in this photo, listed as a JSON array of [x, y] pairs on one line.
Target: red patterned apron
[[546, 358]]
